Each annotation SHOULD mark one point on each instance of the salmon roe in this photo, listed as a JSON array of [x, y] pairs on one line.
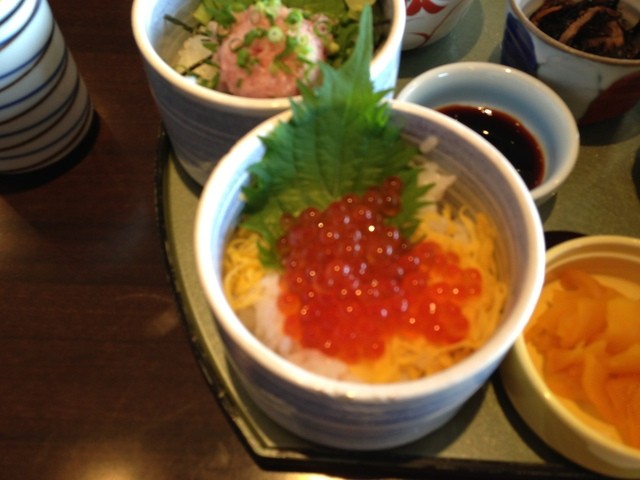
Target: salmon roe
[[351, 281]]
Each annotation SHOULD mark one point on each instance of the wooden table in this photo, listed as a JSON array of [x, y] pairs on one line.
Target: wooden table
[[98, 380], [97, 377]]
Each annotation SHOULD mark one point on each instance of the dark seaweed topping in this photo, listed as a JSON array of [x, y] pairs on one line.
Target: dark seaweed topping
[[593, 26]]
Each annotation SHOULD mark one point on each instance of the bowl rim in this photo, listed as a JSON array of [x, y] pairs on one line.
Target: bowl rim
[[492, 351], [605, 244], [531, 28], [140, 23], [465, 69]]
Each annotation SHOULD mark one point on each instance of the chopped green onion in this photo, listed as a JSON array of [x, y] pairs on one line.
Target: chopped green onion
[[295, 16], [275, 34], [243, 58], [253, 35]]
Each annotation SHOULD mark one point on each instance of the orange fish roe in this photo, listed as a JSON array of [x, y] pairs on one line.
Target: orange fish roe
[[351, 281]]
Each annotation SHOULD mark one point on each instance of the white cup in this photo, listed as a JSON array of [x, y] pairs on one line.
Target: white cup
[[45, 109], [430, 20]]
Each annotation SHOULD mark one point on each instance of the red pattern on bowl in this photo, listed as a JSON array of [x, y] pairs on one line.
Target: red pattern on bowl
[[431, 20]]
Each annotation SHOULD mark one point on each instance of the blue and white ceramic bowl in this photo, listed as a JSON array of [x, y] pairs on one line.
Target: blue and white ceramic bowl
[[595, 88], [203, 124], [45, 110], [362, 416], [523, 97]]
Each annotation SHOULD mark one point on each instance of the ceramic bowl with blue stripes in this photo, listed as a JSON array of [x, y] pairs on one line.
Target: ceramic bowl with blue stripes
[[45, 109], [203, 124], [348, 414]]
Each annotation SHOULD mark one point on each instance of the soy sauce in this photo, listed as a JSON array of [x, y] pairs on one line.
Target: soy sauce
[[508, 135]]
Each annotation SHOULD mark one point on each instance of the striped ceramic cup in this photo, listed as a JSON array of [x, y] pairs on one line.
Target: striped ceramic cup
[[45, 110]]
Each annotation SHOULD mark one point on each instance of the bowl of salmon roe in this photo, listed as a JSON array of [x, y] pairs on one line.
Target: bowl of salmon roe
[[342, 304], [365, 306]]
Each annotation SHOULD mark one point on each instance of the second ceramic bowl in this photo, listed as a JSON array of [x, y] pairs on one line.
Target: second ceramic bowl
[[202, 123]]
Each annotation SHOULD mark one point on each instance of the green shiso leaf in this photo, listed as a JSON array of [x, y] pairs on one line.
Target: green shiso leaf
[[339, 140]]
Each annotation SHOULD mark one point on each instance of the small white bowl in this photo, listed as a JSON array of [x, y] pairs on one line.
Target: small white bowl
[[521, 96], [203, 124], [595, 88], [361, 416], [577, 436]]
